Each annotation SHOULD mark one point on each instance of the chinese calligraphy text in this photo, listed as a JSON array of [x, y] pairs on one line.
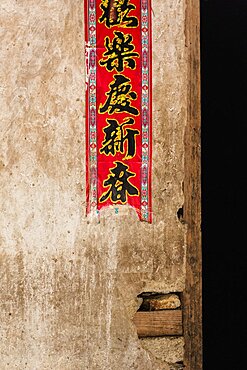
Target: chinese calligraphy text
[[118, 105]]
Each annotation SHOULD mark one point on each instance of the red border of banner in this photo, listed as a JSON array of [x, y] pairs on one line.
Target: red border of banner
[[150, 218], [86, 109]]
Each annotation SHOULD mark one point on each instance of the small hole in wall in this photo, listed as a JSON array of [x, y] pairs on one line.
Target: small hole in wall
[[177, 366], [180, 214], [171, 300], [145, 297]]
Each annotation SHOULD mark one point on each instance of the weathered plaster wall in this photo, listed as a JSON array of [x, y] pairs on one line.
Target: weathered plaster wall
[[68, 283]]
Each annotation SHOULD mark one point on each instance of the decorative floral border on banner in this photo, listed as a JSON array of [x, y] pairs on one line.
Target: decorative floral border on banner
[[118, 105]]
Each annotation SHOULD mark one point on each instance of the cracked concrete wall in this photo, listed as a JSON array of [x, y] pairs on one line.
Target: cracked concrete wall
[[69, 284]]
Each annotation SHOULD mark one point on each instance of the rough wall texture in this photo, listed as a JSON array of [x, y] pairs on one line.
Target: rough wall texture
[[69, 284]]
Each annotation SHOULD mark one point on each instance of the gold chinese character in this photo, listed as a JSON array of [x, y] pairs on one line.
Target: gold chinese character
[[119, 97], [116, 13], [116, 135], [119, 185], [120, 52]]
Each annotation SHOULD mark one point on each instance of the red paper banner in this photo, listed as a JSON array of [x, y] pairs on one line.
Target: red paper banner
[[118, 104]]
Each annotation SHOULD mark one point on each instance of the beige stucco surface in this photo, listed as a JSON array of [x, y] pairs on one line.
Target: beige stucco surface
[[69, 283]]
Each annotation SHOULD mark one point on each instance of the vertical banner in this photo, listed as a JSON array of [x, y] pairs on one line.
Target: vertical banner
[[118, 104]]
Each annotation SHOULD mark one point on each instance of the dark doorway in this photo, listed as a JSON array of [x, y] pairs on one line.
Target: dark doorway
[[224, 182]]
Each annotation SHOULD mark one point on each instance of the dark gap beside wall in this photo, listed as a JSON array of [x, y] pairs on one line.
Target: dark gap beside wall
[[224, 181]]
